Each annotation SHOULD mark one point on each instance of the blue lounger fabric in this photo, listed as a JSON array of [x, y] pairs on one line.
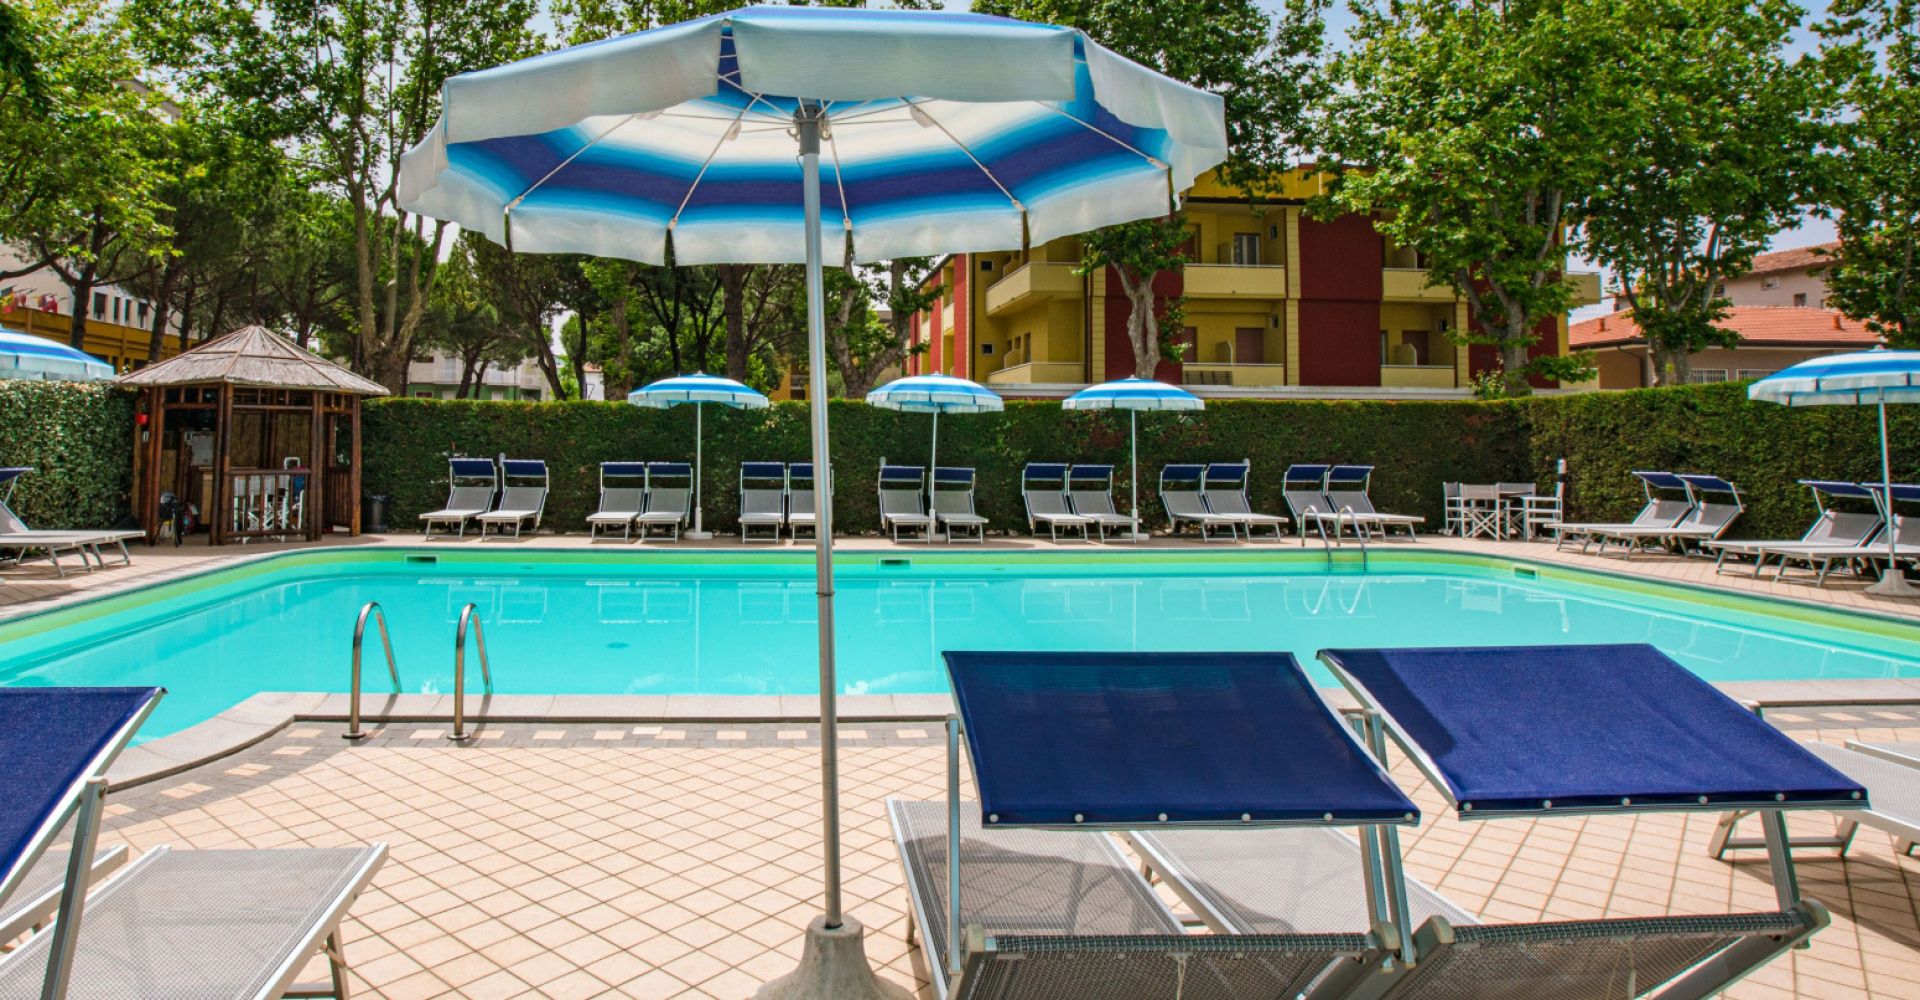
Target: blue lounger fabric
[[48, 739], [524, 467], [1121, 738], [1304, 475], [763, 470], [1661, 480], [1584, 727], [623, 468], [670, 468], [1342, 475], [472, 467], [1045, 472]]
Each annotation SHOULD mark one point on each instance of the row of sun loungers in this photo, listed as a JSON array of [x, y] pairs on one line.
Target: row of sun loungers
[[1702, 510], [1836, 537], [1235, 785], [216, 924], [511, 494]]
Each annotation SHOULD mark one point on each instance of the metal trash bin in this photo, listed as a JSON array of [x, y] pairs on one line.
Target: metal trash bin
[[374, 512]]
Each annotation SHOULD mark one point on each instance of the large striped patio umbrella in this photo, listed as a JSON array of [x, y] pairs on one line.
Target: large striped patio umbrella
[[1864, 378], [1133, 395], [23, 355], [698, 389], [942, 132], [935, 394]]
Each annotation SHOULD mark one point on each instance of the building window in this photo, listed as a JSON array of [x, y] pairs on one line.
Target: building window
[[143, 313], [1800, 299], [99, 305], [1246, 249], [986, 348], [1769, 283], [1709, 375], [423, 393], [1747, 374], [1720, 290]]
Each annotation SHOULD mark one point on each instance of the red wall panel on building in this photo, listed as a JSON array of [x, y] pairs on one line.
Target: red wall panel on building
[[1340, 260], [962, 343], [1339, 342], [1119, 363], [1481, 357]]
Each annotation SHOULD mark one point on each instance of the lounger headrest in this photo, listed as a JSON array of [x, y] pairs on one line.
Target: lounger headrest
[[669, 469], [1182, 473], [1348, 475], [1228, 473], [900, 474], [800, 470], [472, 467], [1090, 472], [1708, 484], [1045, 470], [1661, 480], [946, 474], [623, 468], [763, 470], [531, 467], [1304, 476]]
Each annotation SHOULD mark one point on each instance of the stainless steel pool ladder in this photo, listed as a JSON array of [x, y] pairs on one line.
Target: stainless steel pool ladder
[[1320, 525], [372, 609], [470, 613], [1359, 531]]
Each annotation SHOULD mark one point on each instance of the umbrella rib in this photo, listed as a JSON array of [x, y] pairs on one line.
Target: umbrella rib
[[704, 164], [976, 160], [515, 203], [840, 184], [1156, 161]]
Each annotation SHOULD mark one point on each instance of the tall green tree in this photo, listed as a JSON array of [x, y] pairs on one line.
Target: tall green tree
[[1715, 150], [351, 84], [1476, 129], [1873, 48], [465, 323], [860, 343], [18, 61], [1138, 253]]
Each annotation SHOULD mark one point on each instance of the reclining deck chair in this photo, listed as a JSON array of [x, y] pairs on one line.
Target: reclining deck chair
[[763, 506], [1707, 521], [520, 502], [669, 500], [38, 894], [801, 511], [1832, 528], [212, 924], [1090, 495], [619, 504], [1346, 491], [1890, 772], [1303, 487], [1043, 488], [1549, 731], [1659, 512], [1821, 559], [1224, 489], [1180, 495], [951, 503], [21, 540], [1027, 872], [903, 502], [471, 484]]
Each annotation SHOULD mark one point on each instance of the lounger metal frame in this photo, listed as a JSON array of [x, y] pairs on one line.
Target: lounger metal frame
[[1051, 507], [457, 470], [40, 893], [517, 504], [1190, 505], [755, 499], [1659, 512], [1230, 499], [1868, 765], [1356, 501], [953, 508], [609, 515], [1097, 503], [903, 506], [1830, 527]]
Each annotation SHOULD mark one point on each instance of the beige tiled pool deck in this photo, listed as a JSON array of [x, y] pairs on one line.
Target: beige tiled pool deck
[[574, 860]]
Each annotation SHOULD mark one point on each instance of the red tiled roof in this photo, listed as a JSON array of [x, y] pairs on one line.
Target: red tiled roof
[[1796, 259], [1760, 326]]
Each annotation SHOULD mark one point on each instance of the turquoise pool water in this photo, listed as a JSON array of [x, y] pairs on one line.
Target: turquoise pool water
[[570, 624]]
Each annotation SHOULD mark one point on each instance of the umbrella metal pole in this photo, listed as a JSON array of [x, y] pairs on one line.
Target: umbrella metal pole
[[1133, 439], [807, 118], [699, 467], [1893, 583]]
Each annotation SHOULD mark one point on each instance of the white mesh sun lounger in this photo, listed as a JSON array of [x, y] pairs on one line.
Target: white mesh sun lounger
[[1346, 489], [209, 925], [1302, 487], [49, 544], [619, 505], [34, 901], [1822, 559], [1223, 487], [519, 504], [668, 507], [801, 513], [1275, 880], [902, 506], [1891, 774], [1090, 495], [1047, 505], [465, 502], [1832, 527], [1707, 520], [952, 507], [1186, 503], [762, 507], [1660, 512]]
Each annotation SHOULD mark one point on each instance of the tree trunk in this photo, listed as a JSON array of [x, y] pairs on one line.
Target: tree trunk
[[733, 307], [625, 382], [577, 355], [186, 317], [466, 377], [1143, 327], [162, 310]]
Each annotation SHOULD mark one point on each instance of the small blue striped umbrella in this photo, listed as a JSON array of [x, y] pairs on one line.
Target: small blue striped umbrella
[[1133, 395], [935, 394], [698, 389], [23, 355], [1865, 378]]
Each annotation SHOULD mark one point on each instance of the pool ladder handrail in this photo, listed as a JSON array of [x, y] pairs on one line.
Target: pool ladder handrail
[[371, 609], [470, 613], [1312, 513], [1359, 531]]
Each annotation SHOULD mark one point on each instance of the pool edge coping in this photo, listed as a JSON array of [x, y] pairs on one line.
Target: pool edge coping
[[266, 714]]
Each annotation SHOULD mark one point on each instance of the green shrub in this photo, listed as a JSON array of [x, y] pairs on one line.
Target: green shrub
[[78, 437]]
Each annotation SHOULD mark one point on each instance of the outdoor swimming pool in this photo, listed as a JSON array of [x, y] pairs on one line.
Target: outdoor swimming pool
[[659, 623]]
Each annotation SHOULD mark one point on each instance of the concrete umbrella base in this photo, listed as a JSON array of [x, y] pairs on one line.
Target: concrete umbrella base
[[833, 966], [1894, 583]]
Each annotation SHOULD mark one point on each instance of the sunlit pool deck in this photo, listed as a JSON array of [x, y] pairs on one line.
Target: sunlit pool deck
[[652, 858]]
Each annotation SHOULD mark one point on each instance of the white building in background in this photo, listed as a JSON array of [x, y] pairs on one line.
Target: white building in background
[[438, 377], [1794, 278], [119, 321]]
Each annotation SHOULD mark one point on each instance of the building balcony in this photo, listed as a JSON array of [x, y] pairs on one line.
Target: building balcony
[[1040, 373], [1235, 281], [1588, 283], [1416, 376], [1409, 284], [1242, 375], [1030, 284]]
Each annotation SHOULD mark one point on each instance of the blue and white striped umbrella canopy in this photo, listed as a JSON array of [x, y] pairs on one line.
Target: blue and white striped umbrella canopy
[[26, 356], [935, 394], [1133, 394], [697, 388], [945, 132], [1860, 379]]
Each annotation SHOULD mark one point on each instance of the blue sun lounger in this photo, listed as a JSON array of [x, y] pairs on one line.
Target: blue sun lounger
[[209, 924], [1549, 731], [1065, 746]]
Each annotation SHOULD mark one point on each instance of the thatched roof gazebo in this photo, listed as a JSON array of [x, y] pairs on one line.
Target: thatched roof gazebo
[[261, 436]]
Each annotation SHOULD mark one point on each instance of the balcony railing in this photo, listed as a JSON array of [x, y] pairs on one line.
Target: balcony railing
[[1030, 283], [1409, 284], [1417, 376], [1040, 372], [1241, 375], [1235, 281]]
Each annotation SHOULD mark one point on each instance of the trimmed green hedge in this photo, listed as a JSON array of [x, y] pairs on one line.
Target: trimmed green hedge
[[78, 437]]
